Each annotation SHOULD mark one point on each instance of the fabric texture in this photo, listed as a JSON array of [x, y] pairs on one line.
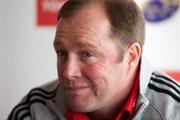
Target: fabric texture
[[159, 99]]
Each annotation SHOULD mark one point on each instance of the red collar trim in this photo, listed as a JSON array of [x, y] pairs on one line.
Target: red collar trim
[[70, 115], [125, 113]]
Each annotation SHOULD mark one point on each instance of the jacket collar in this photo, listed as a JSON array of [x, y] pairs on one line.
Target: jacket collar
[[145, 74]]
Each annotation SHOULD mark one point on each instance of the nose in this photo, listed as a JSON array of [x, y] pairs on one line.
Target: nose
[[71, 69]]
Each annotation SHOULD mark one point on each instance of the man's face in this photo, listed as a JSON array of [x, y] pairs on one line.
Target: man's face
[[89, 70]]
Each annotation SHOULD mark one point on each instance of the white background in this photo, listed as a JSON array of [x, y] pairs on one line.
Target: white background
[[27, 58]]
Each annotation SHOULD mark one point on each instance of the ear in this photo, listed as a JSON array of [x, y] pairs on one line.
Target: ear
[[133, 54]]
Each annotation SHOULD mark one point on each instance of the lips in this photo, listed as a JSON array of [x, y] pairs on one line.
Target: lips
[[74, 88]]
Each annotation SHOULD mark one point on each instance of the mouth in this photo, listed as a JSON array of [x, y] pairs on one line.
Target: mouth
[[76, 89]]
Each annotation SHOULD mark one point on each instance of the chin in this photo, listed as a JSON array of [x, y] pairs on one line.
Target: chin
[[81, 107]]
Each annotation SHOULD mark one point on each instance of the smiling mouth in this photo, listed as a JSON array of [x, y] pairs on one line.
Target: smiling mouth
[[76, 89]]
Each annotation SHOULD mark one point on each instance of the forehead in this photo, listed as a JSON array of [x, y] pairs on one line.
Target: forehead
[[89, 11], [90, 23]]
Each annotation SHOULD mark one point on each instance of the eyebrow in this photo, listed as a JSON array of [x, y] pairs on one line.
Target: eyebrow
[[78, 44]]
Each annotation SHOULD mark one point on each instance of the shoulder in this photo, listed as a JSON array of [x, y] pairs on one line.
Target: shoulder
[[164, 95], [39, 95], [162, 83]]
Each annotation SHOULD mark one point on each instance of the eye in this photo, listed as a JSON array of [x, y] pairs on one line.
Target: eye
[[62, 53], [87, 54]]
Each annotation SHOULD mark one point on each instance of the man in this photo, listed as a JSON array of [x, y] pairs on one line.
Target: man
[[101, 71]]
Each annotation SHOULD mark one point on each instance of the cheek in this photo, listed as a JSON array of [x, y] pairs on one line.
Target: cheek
[[105, 75], [60, 66], [92, 71], [59, 69], [60, 72], [96, 76]]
